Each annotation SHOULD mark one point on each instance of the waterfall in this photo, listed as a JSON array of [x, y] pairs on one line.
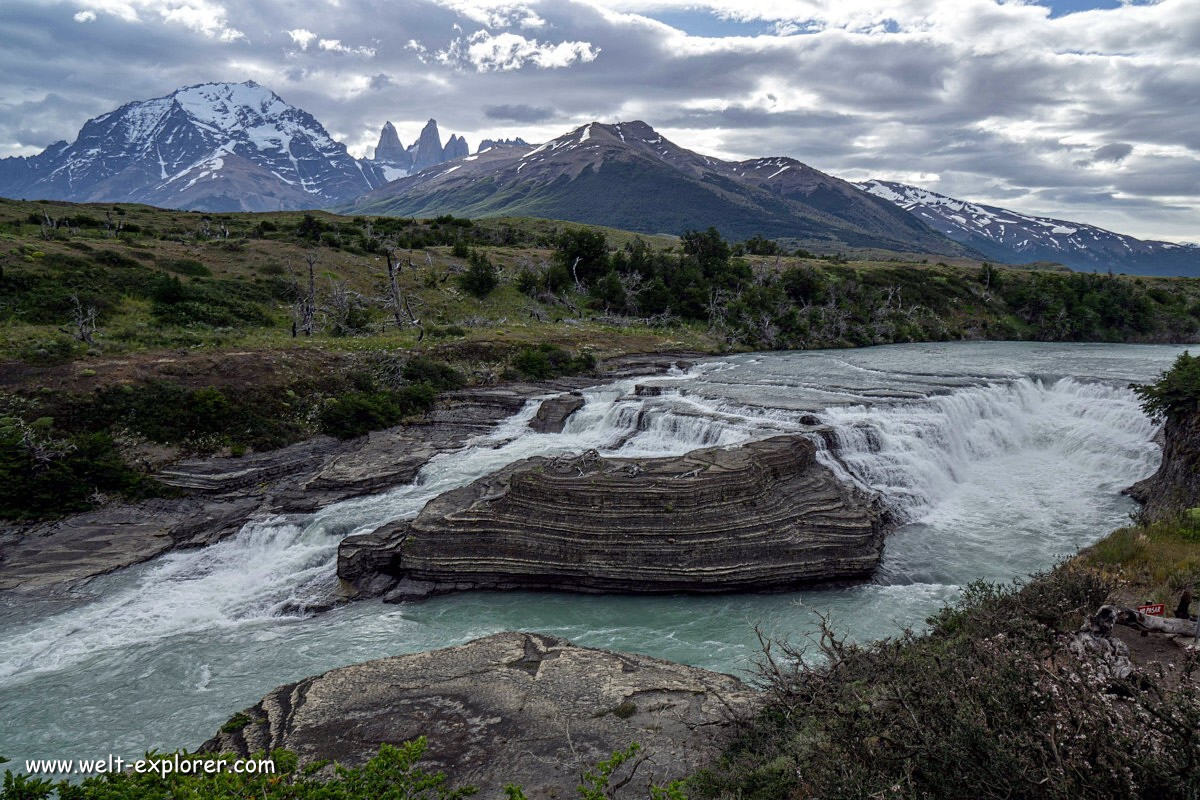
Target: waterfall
[[995, 473]]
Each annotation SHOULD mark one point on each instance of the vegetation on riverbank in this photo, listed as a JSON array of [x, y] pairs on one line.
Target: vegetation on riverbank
[[161, 333], [992, 702]]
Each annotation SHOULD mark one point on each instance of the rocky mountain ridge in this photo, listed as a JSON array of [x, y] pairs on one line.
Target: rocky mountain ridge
[[1011, 237], [213, 146], [395, 160], [627, 175]]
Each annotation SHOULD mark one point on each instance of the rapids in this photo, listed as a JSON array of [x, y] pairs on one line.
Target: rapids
[[1000, 458]]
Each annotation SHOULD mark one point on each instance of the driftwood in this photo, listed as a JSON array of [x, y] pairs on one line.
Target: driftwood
[[1183, 631], [1136, 619]]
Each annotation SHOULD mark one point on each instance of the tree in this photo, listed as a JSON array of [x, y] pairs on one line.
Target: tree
[[480, 278], [584, 253]]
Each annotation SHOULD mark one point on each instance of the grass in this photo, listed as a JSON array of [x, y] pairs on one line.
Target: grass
[[1152, 562]]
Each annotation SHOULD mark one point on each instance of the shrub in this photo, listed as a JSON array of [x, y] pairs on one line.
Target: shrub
[[548, 361], [992, 702], [43, 474], [358, 413], [187, 266], [1177, 391], [480, 278], [437, 374]]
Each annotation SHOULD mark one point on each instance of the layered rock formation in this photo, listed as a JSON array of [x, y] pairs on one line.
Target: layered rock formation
[[517, 708], [1176, 485], [552, 414], [762, 515], [55, 557]]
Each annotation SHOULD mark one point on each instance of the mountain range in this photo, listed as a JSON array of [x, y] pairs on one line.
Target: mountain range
[[626, 175], [229, 147], [1014, 238]]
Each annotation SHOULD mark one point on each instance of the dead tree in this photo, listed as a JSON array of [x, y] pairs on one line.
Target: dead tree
[[400, 302], [83, 327], [49, 225], [341, 310], [310, 300]]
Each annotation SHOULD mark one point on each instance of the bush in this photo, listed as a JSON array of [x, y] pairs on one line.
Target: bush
[[43, 474], [187, 266], [548, 361], [992, 702], [480, 278], [1176, 392], [359, 413], [437, 374]]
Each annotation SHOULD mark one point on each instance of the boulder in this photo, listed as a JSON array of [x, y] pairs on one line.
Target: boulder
[[520, 708], [765, 515], [552, 414]]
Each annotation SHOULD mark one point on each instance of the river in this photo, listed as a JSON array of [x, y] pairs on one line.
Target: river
[[1001, 458]]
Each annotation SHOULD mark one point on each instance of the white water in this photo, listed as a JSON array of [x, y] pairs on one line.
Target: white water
[[997, 473]]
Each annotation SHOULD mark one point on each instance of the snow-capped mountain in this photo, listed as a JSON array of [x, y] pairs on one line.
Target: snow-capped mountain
[[397, 161], [1012, 237], [214, 146], [629, 176]]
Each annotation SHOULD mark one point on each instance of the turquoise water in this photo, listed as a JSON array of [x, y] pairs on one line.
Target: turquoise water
[[1001, 458]]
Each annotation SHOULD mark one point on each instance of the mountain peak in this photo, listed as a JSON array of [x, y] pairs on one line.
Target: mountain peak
[[1011, 236], [216, 146]]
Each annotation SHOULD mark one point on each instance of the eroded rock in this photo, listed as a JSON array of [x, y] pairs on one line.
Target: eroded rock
[[519, 708], [763, 515], [552, 414]]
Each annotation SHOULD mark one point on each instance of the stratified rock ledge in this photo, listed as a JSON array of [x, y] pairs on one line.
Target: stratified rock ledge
[[519, 708], [764, 515]]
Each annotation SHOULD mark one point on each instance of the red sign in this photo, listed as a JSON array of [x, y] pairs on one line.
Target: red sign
[[1152, 610]]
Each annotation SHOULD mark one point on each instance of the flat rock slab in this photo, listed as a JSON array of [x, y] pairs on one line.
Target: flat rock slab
[[56, 556], [519, 708], [758, 516]]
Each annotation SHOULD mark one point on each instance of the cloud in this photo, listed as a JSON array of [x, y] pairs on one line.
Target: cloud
[[336, 46], [301, 37], [1088, 116], [85, 16], [504, 52], [518, 113], [1115, 152]]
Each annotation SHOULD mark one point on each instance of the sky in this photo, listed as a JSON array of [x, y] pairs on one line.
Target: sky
[[1085, 110]]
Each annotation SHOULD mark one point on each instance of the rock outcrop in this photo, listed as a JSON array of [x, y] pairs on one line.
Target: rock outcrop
[[519, 708], [552, 415], [223, 493], [763, 515], [1175, 487]]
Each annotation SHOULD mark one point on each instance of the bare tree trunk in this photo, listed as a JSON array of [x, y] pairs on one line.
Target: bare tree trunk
[[401, 305], [84, 323], [310, 302], [1144, 622]]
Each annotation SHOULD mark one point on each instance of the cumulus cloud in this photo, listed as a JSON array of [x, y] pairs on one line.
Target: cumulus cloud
[[85, 16], [336, 46], [301, 37], [509, 51]]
